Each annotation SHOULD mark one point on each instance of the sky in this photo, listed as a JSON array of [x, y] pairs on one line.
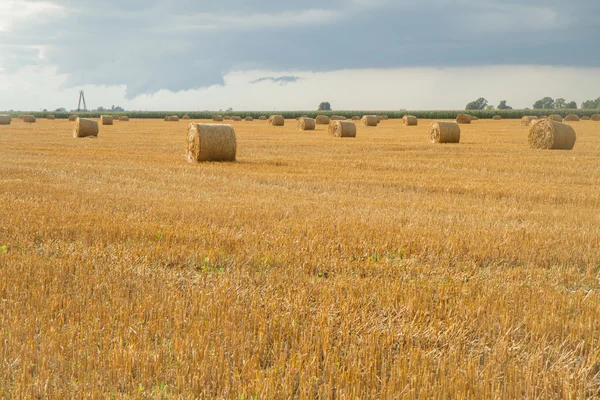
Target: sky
[[292, 55]]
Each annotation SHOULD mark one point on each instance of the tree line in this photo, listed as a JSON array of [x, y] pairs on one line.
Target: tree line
[[546, 103]]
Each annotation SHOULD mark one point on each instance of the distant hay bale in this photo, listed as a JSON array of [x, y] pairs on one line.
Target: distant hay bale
[[379, 118], [585, 118], [307, 124], [106, 119], [527, 119], [369, 120], [85, 128], [5, 119], [249, 118], [29, 118], [262, 118], [185, 116], [124, 118], [462, 119], [572, 118], [236, 118], [342, 129], [356, 118], [409, 120], [556, 117], [383, 117], [548, 134], [595, 117], [322, 120], [276, 120], [211, 142], [444, 132], [174, 118], [50, 117], [337, 118], [72, 118], [497, 117], [217, 118], [474, 118], [227, 118]]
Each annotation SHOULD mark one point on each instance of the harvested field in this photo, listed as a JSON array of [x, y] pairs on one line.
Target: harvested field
[[376, 267]]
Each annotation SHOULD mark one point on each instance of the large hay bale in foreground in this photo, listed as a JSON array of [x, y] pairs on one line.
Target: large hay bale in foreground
[[535, 121], [322, 120], [85, 128], [50, 117], [410, 120], [497, 118], [548, 134], [369, 120], [342, 129], [337, 118], [5, 119], [596, 117], [307, 124], [29, 118], [185, 116], [276, 120], [356, 118], [217, 118], [463, 119], [526, 120], [106, 119], [585, 118], [211, 142], [444, 132], [124, 118], [249, 118], [262, 118], [555, 117], [572, 118], [73, 118]]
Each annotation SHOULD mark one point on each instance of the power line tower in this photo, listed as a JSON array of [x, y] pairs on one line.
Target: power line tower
[[81, 99]]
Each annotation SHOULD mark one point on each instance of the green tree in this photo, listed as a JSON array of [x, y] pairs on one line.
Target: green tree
[[591, 104], [479, 104], [325, 106], [489, 108], [560, 103], [546, 103], [503, 106], [571, 105]]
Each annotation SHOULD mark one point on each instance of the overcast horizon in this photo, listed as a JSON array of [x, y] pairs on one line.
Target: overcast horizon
[[356, 54]]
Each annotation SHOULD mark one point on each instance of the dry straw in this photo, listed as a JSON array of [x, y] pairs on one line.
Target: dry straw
[[409, 120], [585, 118], [596, 117], [474, 118], [227, 118], [548, 134], [276, 120], [307, 124], [322, 120], [217, 118], [526, 120], [236, 118], [262, 118], [337, 118], [72, 118], [369, 120], [497, 117], [383, 117], [556, 117], [50, 117], [463, 119], [211, 142], [29, 118], [85, 128], [571, 118], [342, 129], [249, 119], [106, 119], [444, 132], [185, 116], [174, 118], [124, 118], [5, 119]]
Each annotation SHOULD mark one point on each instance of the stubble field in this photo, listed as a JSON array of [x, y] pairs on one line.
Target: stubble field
[[313, 267]]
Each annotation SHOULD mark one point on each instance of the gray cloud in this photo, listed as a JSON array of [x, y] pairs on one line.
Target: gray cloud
[[185, 44], [282, 80]]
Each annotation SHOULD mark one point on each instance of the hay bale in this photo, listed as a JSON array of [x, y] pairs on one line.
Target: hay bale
[[556, 117], [474, 118], [217, 118], [409, 120], [497, 117], [236, 118], [549, 134], [50, 117], [227, 118], [462, 119], [72, 118], [262, 118], [526, 120], [124, 118], [383, 117], [302, 116], [307, 124], [322, 120], [595, 117], [29, 118], [249, 118], [356, 118], [585, 118], [185, 116], [211, 142], [85, 128], [571, 118], [174, 118], [5, 119], [106, 119], [276, 120], [444, 132], [370, 120], [337, 118], [342, 129], [535, 121]]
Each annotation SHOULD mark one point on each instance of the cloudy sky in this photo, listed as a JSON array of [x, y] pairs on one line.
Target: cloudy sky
[[282, 55]]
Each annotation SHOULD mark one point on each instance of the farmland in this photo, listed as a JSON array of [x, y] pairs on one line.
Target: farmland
[[312, 267]]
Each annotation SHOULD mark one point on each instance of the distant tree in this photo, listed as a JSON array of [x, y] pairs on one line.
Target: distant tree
[[61, 109], [560, 103], [479, 104], [503, 106], [571, 105], [325, 106], [45, 110], [230, 109], [100, 108], [590, 104], [489, 108], [545, 103]]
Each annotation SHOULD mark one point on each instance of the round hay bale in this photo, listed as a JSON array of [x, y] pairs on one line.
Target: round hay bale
[[217, 118], [106, 119], [462, 119], [526, 120], [73, 118], [383, 117], [356, 118], [302, 116], [337, 118], [342, 129], [174, 118], [556, 117], [276, 120], [595, 117], [585, 118], [124, 118], [549, 134], [409, 120], [236, 118], [322, 120], [307, 124], [5, 119], [185, 116], [444, 132], [369, 120], [85, 128], [262, 118], [249, 118], [497, 118], [535, 121], [29, 118], [50, 117], [211, 142], [474, 118], [227, 118], [572, 118]]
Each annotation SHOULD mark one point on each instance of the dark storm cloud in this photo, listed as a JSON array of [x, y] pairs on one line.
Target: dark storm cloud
[[185, 44]]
